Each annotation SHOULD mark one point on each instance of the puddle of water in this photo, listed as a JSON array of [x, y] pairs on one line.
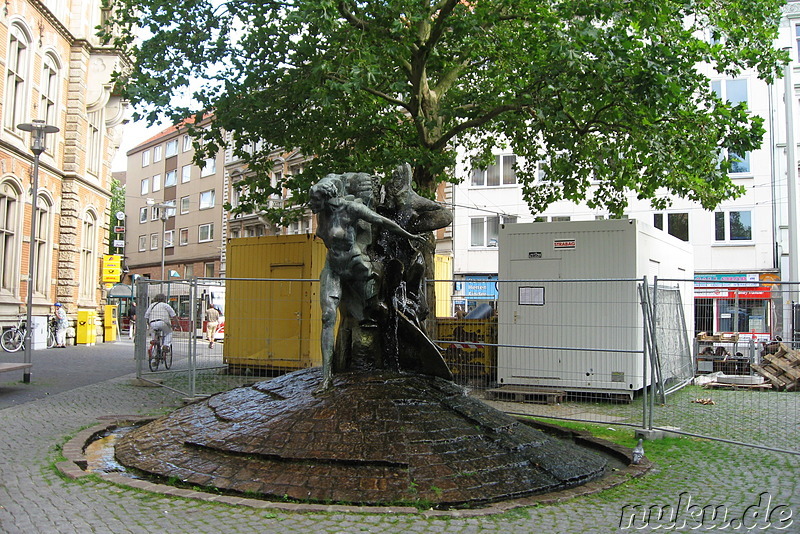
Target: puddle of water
[[100, 453]]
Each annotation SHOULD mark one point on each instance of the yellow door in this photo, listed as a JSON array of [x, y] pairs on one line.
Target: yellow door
[[285, 319]]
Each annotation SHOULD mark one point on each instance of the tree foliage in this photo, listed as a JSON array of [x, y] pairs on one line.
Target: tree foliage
[[613, 95]]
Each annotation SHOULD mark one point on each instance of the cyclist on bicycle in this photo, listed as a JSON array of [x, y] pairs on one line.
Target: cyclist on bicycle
[[161, 317]]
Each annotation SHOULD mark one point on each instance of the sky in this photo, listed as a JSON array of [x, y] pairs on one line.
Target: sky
[[133, 134]]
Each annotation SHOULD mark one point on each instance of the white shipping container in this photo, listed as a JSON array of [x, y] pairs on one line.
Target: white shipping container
[[570, 316]]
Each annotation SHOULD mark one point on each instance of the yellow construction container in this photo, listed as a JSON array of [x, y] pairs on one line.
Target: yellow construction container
[[470, 347], [273, 324], [443, 287], [85, 332], [110, 322]]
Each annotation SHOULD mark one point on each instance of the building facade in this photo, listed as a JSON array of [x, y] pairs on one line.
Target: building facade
[[56, 70], [174, 219]]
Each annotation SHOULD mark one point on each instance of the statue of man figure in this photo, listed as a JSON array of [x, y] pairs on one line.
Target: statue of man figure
[[348, 278]]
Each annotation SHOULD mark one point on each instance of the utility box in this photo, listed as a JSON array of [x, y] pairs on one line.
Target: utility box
[[85, 332], [110, 322], [273, 319], [38, 332], [570, 309]]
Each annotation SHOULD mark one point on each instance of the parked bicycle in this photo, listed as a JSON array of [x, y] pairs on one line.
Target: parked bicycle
[[13, 339], [158, 352]]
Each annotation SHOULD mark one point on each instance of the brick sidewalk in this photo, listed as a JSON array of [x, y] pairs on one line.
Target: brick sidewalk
[[33, 498]]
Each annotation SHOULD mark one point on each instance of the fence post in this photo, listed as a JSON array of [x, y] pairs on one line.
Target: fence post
[[645, 355], [192, 337]]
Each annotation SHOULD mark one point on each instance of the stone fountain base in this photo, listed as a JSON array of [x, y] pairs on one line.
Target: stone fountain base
[[372, 439]]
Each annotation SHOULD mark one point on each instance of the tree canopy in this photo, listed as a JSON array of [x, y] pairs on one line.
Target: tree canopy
[[612, 95]]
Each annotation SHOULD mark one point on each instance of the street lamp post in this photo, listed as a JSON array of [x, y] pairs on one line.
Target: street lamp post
[[163, 215], [39, 131]]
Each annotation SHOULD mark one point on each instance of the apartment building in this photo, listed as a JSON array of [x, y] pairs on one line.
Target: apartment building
[[174, 219], [55, 70]]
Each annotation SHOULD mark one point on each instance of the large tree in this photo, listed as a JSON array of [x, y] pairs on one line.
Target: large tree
[[612, 94]]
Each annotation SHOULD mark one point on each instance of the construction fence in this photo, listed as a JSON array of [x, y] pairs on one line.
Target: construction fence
[[617, 352]]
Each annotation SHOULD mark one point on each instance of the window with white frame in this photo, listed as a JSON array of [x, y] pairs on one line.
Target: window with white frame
[[143, 215], [155, 213], [186, 173], [145, 158], [43, 246], [484, 231], [94, 141], [157, 182], [48, 94], [157, 153], [184, 205], [560, 218], [153, 241], [142, 243], [501, 172], [171, 179], [734, 91], [677, 224], [10, 226], [207, 199], [183, 237], [209, 167], [145, 187], [205, 232], [169, 237], [187, 142], [88, 263], [739, 164], [16, 89], [171, 148], [733, 226]]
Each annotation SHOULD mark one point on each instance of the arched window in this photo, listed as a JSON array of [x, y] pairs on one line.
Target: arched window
[[49, 90], [88, 264], [43, 247], [10, 226], [16, 76]]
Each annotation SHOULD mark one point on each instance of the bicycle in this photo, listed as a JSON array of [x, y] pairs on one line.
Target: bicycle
[[13, 339], [157, 352]]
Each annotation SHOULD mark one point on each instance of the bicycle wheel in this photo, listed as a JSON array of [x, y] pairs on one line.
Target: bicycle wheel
[[153, 357], [166, 353], [12, 340], [51, 338]]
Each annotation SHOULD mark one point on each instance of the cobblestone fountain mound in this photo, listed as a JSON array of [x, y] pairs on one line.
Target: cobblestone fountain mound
[[372, 438]]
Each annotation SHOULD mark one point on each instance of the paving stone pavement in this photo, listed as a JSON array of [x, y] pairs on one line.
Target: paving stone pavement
[[34, 498]]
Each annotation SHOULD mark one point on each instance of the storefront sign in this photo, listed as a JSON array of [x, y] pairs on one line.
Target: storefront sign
[[733, 292], [480, 287]]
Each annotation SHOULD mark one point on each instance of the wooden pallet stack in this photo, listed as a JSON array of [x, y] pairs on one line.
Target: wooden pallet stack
[[782, 368]]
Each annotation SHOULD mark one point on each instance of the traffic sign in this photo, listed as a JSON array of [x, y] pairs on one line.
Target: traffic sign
[[119, 229], [119, 243], [120, 215]]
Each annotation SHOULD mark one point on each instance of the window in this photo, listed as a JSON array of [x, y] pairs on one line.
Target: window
[[171, 148], [209, 167], [734, 91], [169, 237], [16, 77], [142, 243], [157, 153], [48, 95], [208, 270], [560, 218], [742, 315], [43, 246], [143, 215], [186, 173], [188, 271], [184, 205], [485, 230], [88, 263], [234, 233], [171, 179], [94, 141], [739, 164], [733, 226], [183, 237], [155, 213], [187, 142], [145, 188], [502, 172], [153, 241], [157, 182], [677, 224], [207, 199], [206, 232], [145, 158], [10, 224]]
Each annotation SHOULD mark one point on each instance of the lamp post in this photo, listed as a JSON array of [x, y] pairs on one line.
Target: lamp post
[[163, 215], [39, 131]]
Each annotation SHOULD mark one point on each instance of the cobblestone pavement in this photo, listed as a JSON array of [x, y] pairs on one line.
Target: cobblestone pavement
[[758, 485]]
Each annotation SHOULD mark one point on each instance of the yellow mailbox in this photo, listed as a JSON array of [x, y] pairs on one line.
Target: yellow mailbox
[[110, 322], [85, 333]]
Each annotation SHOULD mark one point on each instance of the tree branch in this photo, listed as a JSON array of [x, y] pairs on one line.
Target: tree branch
[[375, 92]]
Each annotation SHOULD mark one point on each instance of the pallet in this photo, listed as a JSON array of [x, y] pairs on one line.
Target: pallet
[[526, 394], [750, 387], [782, 369]]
